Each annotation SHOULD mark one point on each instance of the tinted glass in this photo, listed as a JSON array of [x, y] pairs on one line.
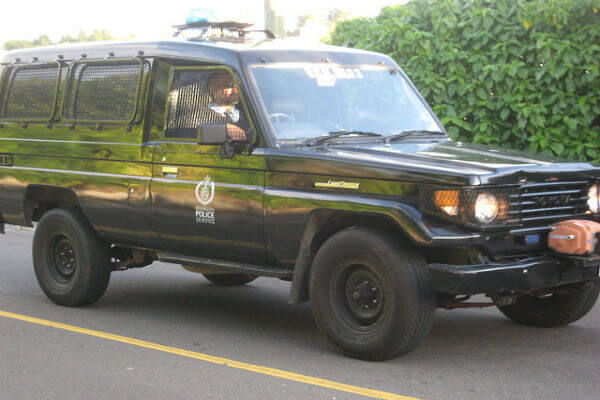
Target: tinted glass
[[29, 92]]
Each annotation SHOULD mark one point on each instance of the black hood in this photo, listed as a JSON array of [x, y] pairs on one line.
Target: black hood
[[431, 162]]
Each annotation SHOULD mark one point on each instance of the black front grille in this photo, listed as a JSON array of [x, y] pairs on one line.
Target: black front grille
[[543, 203]]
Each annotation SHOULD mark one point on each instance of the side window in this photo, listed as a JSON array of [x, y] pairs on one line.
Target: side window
[[204, 96], [29, 92], [107, 91]]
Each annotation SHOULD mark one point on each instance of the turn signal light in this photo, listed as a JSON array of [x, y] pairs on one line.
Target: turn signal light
[[447, 201]]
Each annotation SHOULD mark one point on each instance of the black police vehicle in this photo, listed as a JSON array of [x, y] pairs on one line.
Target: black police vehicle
[[239, 157]]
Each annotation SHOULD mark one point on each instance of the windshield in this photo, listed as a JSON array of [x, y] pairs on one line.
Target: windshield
[[309, 100]]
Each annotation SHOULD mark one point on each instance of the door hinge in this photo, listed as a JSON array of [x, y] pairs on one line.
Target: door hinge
[[6, 160], [227, 151]]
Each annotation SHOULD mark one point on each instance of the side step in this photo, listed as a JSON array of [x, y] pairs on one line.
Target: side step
[[223, 265]]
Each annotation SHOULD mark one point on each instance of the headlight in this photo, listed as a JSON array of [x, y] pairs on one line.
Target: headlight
[[475, 207], [486, 208], [593, 199]]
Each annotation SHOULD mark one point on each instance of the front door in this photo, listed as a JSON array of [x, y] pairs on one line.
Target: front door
[[204, 202]]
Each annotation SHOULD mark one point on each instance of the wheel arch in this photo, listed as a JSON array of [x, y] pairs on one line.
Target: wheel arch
[[323, 224], [39, 199]]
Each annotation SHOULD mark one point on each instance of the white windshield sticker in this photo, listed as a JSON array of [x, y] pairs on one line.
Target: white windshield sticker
[[327, 76]]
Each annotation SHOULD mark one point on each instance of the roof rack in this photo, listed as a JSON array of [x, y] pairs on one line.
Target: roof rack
[[230, 26]]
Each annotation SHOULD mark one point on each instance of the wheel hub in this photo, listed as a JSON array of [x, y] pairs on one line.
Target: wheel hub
[[364, 296], [63, 259]]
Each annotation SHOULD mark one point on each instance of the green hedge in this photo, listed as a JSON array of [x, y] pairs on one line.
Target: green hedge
[[519, 73]]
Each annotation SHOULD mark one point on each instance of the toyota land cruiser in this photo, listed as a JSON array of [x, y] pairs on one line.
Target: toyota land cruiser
[[324, 166]]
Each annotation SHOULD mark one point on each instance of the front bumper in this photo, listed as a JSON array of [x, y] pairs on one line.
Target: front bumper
[[523, 275]]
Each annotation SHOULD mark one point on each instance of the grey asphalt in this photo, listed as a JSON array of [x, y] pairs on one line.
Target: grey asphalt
[[470, 354]]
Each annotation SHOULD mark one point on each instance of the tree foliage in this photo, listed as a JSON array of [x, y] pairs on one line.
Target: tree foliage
[[44, 40], [520, 73]]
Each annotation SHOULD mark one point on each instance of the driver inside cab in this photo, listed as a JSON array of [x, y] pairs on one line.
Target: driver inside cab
[[225, 106]]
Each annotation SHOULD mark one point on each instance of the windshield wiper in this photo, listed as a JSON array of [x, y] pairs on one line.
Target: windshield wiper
[[336, 134], [412, 132]]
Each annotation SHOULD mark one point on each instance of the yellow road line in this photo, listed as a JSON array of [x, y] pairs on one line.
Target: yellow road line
[[215, 360]]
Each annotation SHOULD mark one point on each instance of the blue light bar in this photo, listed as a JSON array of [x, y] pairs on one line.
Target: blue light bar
[[200, 15]]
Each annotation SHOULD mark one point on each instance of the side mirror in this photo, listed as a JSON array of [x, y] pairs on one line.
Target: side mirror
[[212, 134]]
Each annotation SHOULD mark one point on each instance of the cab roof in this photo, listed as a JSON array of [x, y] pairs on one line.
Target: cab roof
[[230, 52]]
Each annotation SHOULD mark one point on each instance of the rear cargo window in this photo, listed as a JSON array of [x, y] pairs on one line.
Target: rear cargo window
[[196, 96], [103, 91], [29, 92]]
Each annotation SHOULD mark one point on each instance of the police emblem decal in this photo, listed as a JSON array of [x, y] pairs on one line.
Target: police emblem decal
[[205, 191], [205, 194]]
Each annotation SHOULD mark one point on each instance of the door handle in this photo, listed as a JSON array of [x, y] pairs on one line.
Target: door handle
[[170, 172]]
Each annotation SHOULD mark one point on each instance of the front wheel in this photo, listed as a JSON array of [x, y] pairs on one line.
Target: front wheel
[[71, 262], [555, 309], [370, 294]]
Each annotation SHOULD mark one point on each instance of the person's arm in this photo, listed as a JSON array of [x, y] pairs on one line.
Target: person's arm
[[235, 132], [238, 130]]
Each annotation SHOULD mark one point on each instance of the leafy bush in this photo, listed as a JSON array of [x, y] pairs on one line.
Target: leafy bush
[[520, 73]]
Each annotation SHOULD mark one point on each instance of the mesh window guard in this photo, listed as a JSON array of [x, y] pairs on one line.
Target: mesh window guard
[[103, 91], [203, 96], [29, 92]]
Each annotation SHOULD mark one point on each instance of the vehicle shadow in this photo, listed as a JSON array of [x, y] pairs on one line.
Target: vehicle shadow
[[488, 334], [189, 302], [260, 314]]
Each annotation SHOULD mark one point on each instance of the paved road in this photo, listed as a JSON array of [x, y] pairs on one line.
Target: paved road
[[470, 354]]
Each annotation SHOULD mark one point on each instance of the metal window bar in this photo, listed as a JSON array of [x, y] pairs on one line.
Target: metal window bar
[[143, 94]]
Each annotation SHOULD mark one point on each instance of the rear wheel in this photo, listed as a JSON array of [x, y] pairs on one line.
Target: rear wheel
[[370, 294], [230, 279], [555, 309], [71, 262]]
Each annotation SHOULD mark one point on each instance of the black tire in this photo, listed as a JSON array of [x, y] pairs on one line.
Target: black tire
[[370, 294], [556, 309], [71, 262], [230, 279]]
